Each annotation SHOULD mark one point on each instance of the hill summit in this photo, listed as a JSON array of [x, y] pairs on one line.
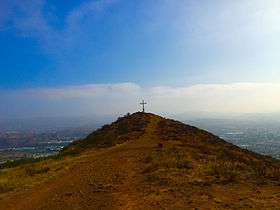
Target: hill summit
[[144, 161]]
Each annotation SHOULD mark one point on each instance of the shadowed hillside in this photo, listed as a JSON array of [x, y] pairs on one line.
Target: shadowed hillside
[[143, 161]]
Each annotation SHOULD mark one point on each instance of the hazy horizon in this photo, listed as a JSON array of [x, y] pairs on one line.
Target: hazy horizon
[[120, 98]]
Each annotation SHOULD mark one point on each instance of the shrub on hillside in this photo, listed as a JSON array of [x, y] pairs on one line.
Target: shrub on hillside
[[130, 126], [31, 170], [6, 187], [225, 171], [263, 171]]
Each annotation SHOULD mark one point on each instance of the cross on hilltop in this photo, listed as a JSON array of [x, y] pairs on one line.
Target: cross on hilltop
[[143, 103]]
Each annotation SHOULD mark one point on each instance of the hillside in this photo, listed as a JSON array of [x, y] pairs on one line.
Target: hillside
[[144, 161]]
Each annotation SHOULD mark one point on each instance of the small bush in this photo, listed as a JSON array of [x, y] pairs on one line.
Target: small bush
[[31, 171], [148, 159], [263, 171], [259, 170], [123, 128], [274, 173], [6, 187], [151, 168], [227, 155], [224, 171], [184, 164]]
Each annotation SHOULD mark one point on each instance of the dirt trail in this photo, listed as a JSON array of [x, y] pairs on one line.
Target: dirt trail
[[128, 195]]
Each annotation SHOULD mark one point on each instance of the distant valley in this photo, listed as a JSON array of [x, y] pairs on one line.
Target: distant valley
[[44, 137], [18, 144], [261, 136]]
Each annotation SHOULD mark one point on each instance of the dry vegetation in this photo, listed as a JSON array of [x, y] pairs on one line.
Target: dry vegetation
[[26, 174], [124, 129], [143, 161], [223, 160]]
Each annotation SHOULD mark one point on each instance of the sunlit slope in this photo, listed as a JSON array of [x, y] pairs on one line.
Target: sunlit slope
[[143, 161]]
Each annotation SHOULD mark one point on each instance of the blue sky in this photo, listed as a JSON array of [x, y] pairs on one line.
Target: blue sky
[[51, 44]]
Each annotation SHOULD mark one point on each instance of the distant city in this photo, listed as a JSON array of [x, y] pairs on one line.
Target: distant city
[[17, 144], [40, 138], [261, 136]]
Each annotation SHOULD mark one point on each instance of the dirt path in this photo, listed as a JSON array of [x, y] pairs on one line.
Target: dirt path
[[128, 195]]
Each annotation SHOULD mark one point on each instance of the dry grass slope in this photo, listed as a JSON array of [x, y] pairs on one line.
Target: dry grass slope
[[143, 161]]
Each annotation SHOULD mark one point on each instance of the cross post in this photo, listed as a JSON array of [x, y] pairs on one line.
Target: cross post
[[143, 103]]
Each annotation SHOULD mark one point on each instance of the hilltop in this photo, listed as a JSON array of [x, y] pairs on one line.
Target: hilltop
[[144, 161]]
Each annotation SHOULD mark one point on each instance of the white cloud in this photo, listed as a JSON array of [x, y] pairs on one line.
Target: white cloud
[[124, 97], [218, 98]]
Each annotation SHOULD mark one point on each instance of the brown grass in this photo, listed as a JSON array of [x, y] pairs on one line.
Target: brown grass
[[225, 172], [6, 187], [31, 170], [143, 161]]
